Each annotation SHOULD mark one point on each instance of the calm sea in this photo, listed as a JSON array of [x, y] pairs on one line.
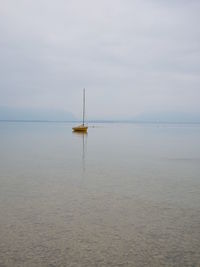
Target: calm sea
[[122, 195]]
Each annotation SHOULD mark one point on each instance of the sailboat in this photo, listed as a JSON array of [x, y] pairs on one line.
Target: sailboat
[[82, 127]]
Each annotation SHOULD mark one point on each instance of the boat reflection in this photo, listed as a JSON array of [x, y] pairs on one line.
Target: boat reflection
[[83, 136]]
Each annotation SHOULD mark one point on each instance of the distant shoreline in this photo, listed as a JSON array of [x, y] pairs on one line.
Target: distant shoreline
[[99, 121]]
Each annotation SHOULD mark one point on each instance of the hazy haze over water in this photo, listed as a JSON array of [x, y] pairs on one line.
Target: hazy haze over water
[[123, 195]]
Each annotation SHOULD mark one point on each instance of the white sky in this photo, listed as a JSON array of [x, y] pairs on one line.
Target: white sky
[[131, 56]]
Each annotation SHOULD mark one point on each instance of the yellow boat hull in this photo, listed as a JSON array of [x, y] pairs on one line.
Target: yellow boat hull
[[80, 128]]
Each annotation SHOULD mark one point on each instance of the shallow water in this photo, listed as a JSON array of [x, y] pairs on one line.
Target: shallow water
[[122, 195]]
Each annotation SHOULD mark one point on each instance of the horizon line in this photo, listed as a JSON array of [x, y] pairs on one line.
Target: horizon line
[[104, 121]]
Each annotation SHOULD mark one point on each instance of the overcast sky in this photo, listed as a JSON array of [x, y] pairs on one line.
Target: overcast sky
[[131, 56]]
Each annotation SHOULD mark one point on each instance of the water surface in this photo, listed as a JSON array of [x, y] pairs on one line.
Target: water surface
[[122, 195]]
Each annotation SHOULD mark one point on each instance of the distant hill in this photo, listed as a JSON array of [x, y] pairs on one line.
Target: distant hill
[[173, 117], [27, 114]]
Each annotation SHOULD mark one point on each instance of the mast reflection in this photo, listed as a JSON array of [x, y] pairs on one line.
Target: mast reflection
[[83, 136]]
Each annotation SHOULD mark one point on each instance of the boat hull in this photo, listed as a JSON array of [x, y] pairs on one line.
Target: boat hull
[[80, 128]]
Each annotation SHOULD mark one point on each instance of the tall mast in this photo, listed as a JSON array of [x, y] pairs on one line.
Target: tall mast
[[83, 106]]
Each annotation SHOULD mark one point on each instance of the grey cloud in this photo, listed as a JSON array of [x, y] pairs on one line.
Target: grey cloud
[[132, 56]]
